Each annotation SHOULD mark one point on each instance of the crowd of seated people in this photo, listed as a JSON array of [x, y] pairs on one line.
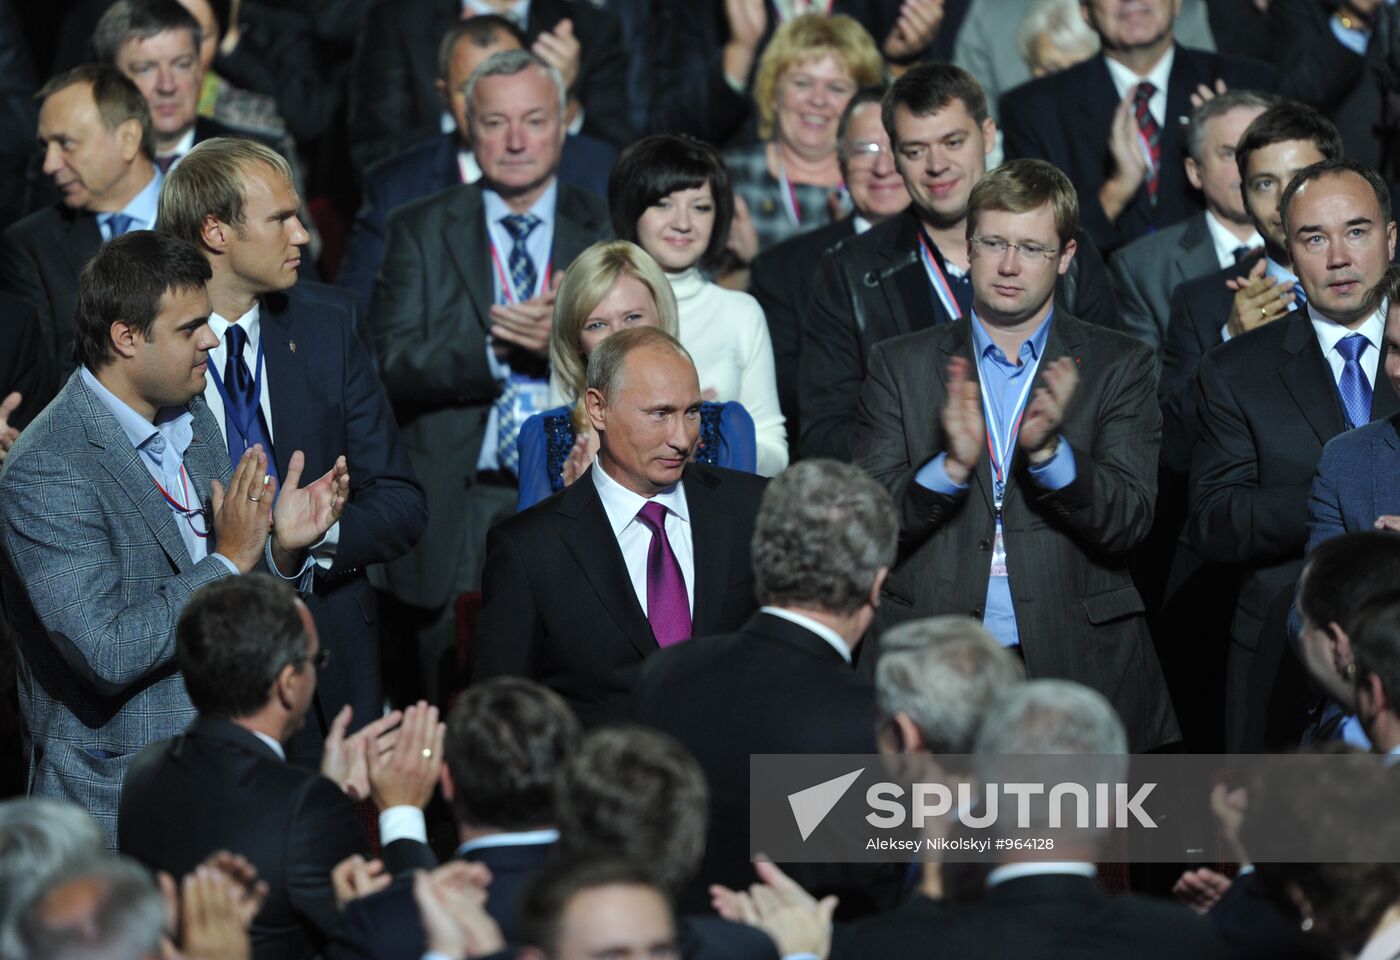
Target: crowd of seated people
[[441, 441]]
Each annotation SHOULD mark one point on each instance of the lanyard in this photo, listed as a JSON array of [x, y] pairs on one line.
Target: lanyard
[[508, 290], [999, 449], [936, 278], [244, 425], [184, 508], [789, 195]]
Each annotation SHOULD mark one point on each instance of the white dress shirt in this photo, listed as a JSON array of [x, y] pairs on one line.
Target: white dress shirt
[[1329, 334], [820, 629], [1014, 871], [185, 145], [1226, 243], [324, 551], [1125, 79], [634, 537]]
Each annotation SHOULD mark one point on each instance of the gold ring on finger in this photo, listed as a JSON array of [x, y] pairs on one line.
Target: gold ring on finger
[[1264, 312], [254, 499], [427, 753]]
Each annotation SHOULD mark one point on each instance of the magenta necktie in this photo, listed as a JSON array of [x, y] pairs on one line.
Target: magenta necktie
[[668, 607]]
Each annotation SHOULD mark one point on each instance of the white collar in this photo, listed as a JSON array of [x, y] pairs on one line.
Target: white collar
[[518, 838], [1125, 79], [820, 629], [273, 744], [185, 145], [1383, 946], [1226, 243], [1330, 333], [861, 224], [250, 322], [1014, 871], [622, 505]]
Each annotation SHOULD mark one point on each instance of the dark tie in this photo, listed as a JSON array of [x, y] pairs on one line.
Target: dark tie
[[668, 605], [1151, 134], [1352, 386], [244, 424], [1241, 253], [165, 163], [522, 268], [118, 224]]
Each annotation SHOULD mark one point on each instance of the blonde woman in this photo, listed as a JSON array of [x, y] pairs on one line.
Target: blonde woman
[[791, 182], [611, 286]]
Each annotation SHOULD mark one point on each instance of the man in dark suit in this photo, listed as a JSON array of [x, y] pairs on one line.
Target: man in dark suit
[[810, 621], [781, 277], [1059, 442], [27, 379], [505, 740], [1122, 113], [96, 131], [910, 272], [1266, 404], [392, 101], [446, 159], [291, 373], [462, 342], [1030, 908], [643, 551], [1149, 269], [249, 655]]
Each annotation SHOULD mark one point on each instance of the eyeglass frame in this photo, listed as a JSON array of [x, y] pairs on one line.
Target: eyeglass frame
[[988, 245], [866, 151]]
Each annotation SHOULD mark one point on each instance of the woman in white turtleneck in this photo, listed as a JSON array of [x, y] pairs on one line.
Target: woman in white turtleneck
[[670, 195]]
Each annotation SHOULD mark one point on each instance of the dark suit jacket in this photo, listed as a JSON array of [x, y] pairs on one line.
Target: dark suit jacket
[[431, 167], [24, 362], [1065, 118], [1057, 917], [327, 402], [1149, 269], [392, 98], [873, 287], [40, 260], [1199, 308], [1080, 616], [218, 787], [828, 708], [1355, 481], [560, 608], [1266, 403], [386, 926], [1254, 926], [780, 279], [428, 323]]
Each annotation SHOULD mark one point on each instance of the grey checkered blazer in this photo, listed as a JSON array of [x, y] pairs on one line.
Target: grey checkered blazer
[[95, 575]]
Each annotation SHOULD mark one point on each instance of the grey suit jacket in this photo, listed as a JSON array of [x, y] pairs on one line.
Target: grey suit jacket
[[1067, 550], [1149, 269], [95, 574], [428, 323]]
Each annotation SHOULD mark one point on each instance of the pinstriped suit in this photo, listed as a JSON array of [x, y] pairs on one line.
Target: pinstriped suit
[[95, 574], [1080, 616]]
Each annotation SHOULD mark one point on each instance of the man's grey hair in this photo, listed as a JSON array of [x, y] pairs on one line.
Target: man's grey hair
[[607, 366], [1055, 717], [39, 837], [944, 674], [141, 20], [125, 922], [508, 63], [824, 530], [1218, 106]]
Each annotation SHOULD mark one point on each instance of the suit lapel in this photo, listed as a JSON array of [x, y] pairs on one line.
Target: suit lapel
[[464, 223], [1308, 379], [905, 286], [589, 538], [81, 238], [125, 466], [287, 378], [712, 545], [1196, 256], [207, 456]]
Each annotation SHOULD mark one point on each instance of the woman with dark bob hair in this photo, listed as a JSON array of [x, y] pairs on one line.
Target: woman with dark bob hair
[[670, 194]]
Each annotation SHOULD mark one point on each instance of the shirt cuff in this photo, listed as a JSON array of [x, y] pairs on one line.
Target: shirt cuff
[[576, 127], [801, 956], [226, 562], [323, 552], [1058, 472], [434, 955], [1224, 332], [302, 577], [934, 476], [500, 371], [403, 822]]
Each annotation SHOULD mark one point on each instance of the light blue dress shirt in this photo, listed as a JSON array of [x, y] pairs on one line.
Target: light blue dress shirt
[[540, 245], [1002, 383], [141, 209], [161, 446]]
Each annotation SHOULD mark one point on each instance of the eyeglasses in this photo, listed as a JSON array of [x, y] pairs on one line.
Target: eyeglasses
[[1025, 252], [863, 153]]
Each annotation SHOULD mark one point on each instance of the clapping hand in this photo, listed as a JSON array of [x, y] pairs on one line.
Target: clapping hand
[[8, 434], [964, 430], [343, 759], [302, 515], [407, 775], [1259, 299], [527, 325], [1042, 419], [455, 923], [796, 921], [355, 877], [915, 28]]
